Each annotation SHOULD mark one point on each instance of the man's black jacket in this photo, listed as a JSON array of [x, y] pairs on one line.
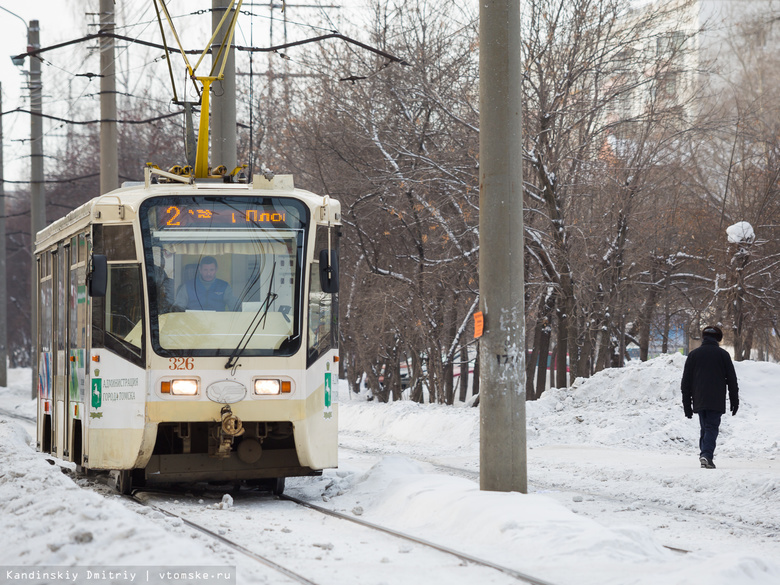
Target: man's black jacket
[[708, 370]]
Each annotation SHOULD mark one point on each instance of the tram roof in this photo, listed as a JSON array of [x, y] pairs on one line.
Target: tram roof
[[121, 205]]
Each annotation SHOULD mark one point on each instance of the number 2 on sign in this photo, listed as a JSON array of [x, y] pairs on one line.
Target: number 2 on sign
[[181, 363]]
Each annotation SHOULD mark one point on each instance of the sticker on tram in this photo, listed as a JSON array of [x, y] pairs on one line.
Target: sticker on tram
[[328, 393], [97, 392]]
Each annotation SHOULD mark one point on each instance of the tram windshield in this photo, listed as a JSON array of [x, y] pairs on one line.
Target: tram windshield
[[224, 273]]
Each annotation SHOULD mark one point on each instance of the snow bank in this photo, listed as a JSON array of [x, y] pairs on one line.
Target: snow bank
[[624, 435], [636, 407], [532, 533], [54, 522], [622, 432]]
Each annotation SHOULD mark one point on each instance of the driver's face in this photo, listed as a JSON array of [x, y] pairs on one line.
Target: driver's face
[[208, 272]]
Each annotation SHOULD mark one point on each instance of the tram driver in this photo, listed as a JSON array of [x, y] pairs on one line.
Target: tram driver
[[206, 292]]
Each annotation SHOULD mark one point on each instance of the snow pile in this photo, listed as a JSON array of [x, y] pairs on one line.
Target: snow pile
[[740, 232], [51, 521], [620, 434], [16, 398], [636, 407], [532, 533], [640, 407], [613, 476], [510, 528], [433, 427]]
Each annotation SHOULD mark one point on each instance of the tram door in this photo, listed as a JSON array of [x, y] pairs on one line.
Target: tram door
[[46, 345], [76, 362], [60, 319]]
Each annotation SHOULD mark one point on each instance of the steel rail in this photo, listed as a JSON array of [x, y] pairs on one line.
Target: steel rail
[[226, 541]]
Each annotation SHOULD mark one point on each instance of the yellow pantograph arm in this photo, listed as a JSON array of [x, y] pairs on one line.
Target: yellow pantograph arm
[[202, 152], [228, 37], [190, 70]]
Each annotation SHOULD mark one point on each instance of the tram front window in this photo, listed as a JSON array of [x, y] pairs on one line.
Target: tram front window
[[224, 273]]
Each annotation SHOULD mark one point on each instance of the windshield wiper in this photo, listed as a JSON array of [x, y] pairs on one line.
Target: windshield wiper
[[256, 321]]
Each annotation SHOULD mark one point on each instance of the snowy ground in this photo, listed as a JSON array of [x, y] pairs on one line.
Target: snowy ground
[[614, 484]]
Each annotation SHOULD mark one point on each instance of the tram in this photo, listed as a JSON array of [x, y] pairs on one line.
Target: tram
[[188, 331]]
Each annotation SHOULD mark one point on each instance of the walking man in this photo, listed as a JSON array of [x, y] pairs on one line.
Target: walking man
[[708, 371]]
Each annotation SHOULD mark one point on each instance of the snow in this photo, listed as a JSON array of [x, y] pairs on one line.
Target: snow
[[614, 487], [740, 232]]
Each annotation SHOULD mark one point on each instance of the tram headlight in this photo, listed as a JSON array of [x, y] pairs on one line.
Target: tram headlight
[[268, 387], [180, 387]]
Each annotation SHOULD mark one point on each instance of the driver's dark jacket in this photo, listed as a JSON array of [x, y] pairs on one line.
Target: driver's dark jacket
[[201, 297]]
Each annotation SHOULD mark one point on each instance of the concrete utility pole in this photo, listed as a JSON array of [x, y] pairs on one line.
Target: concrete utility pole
[[223, 102], [3, 279], [109, 148], [503, 458], [37, 193]]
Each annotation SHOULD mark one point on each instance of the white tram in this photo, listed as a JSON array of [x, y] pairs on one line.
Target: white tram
[[188, 331]]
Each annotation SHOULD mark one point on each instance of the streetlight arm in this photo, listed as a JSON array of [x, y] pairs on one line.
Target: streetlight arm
[[17, 16], [18, 61]]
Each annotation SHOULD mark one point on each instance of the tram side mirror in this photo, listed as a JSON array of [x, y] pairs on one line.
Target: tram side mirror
[[98, 277], [329, 271]]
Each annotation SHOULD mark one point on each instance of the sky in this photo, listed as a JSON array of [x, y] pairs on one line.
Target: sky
[[57, 22], [616, 494], [63, 85]]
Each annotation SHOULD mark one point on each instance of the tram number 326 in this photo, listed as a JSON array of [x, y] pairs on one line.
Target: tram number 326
[[181, 363]]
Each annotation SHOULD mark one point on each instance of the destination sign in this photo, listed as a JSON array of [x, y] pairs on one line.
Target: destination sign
[[171, 214]]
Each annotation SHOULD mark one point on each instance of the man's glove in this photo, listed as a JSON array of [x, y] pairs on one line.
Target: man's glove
[[688, 410], [734, 407]]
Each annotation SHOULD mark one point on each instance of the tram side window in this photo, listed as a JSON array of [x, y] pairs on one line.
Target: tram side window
[[116, 242], [46, 303], [323, 307], [117, 318]]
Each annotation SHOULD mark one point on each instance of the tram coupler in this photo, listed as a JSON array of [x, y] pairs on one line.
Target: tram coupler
[[230, 428]]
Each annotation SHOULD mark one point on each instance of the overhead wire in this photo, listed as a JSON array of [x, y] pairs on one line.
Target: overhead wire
[[275, 48], [332, 34], [85, 122]]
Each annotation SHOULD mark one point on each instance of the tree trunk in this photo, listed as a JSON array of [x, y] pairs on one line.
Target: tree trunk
[[532, 361], [748, 344], [645, 320], [544, 358], [395, 378], [475, 388], [563, 341], [416, 383], [464, 371]]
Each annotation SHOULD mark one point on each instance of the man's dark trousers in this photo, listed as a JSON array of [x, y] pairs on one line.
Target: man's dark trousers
[[710, 424]]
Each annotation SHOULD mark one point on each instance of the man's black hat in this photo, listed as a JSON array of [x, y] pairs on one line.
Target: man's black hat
[[713, 331]]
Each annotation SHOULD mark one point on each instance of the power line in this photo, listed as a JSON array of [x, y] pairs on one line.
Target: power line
[[69, 180], [84, 122], [276, 48]]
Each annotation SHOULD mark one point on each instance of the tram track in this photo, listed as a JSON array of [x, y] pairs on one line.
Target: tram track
[[17, 416], [227, 542], [464, 558]]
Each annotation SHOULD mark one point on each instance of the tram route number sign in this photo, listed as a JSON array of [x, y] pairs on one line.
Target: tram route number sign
[[181, 216]]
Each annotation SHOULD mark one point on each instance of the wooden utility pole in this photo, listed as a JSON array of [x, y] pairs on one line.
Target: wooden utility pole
[[109, 138], [503, 458]]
